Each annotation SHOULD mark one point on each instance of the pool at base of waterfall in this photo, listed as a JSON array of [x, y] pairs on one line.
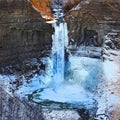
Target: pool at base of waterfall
[[65, 97], [75, 92], [85, 85]]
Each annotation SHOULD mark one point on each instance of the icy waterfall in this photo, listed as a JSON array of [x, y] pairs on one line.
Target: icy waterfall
[[60, 42]]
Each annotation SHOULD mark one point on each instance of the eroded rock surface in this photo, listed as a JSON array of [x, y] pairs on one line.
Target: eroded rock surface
[[23, 32], [90, 20]]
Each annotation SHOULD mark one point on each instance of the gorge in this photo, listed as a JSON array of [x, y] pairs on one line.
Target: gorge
[[68, 69]]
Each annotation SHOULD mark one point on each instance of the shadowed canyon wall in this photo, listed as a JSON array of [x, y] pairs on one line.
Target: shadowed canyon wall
[[23, 32]]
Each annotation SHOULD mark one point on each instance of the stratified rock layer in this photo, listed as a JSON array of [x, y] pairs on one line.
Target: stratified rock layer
[[90, 20], [23, 33]]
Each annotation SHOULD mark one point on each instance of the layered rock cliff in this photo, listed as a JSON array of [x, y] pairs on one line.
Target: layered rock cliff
[[90, 20], [23, 32]]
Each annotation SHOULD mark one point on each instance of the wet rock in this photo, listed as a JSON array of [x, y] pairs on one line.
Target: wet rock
[[84, 114]]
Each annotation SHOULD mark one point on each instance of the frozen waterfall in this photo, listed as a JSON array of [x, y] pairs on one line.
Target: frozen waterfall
[[60, 42]]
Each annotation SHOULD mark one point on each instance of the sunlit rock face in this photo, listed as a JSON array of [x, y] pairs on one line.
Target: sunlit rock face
[[23, 32], [90, 20], [44, 8]]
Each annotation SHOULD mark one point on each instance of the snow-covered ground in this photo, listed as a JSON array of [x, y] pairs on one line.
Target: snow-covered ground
[[108, 91]]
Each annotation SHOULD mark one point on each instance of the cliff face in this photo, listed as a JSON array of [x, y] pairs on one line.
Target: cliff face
[[23, 32], [90, 20]]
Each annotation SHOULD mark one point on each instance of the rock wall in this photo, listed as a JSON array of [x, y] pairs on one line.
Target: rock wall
[[23, 33], [90, 20]]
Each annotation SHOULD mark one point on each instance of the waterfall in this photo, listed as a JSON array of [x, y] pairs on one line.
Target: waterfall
[[60, 42], [66, 75]]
